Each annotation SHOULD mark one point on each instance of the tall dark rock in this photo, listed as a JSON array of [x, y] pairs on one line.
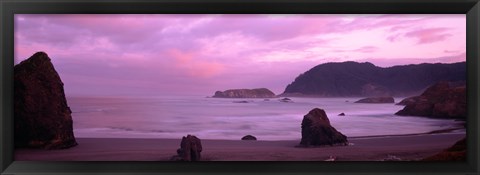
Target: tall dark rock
[[352, 79], [317, 131], [41, 115], [190, 149], [441, 100]]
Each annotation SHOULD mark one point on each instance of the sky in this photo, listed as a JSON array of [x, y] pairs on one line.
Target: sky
[[136, 55]]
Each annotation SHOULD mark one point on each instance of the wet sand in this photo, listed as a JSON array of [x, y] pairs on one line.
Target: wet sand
[[406, 148]]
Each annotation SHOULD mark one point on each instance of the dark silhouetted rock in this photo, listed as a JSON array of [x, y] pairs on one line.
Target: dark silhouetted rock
[[376, 100], [245, 93], [242, 101], [41, 115], [286, 100], [249, 137], [352, 79], [341, 114], [442, 100], [189, 150], [317, 131], [457, 152]]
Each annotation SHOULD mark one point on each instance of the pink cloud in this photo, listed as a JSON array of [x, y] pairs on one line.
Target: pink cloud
[[165, 52], [190, 63], [366, 49], [430, 35]]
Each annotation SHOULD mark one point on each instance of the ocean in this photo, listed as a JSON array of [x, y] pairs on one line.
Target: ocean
[[231, 119]]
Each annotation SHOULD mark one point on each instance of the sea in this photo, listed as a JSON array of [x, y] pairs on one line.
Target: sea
[[231, 119]]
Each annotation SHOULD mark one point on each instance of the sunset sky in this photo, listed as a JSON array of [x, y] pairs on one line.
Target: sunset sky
[[200, 54]]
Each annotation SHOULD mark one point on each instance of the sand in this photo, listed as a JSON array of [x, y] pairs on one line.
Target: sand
[[410, 147]]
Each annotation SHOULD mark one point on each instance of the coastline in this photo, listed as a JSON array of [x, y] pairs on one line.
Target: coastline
[[400, 147]]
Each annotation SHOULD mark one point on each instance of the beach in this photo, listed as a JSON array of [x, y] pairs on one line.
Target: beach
[[405, 148]]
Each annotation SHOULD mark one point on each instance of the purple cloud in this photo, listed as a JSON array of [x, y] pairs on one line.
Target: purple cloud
[[153, 54]]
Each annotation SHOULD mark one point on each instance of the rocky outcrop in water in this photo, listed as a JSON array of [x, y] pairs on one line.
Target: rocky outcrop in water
[[189, 150], [249, 137], [376, 100], [41, 115], [442, 100], [285, 100], [317, 131], [245, 93]]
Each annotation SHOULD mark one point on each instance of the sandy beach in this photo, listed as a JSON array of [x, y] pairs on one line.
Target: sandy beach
[[409, 147]]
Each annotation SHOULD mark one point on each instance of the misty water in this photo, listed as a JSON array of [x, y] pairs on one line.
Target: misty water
[[222, 118]]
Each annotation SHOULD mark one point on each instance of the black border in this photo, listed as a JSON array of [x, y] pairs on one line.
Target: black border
[[10, 7]]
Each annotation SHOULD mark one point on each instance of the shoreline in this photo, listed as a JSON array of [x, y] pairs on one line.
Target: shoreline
[[440, 131], [406, 148]]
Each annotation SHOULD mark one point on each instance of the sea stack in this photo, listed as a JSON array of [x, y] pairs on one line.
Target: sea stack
[[189, 150], [41, 114], [317, 131], [245, 93]]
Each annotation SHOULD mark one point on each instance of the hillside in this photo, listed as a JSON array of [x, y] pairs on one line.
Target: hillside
[[365, 79]]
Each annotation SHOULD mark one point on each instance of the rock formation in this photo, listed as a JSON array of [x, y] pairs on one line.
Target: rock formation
[[245, 93], [442, 100], [317, 131], [189, 150], [457, 152], [341, 114], [241, 101], [286, 100], [376, 100], [352, 79], [249, 137], [41, 114]]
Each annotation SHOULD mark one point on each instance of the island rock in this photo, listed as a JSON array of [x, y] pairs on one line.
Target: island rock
[[317, 131], [442, 100], [41, 115], [376, 100], [249, 137], [245, 93], [286, 100]]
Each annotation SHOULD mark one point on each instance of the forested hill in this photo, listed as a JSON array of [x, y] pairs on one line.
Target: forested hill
[[348, 79]]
